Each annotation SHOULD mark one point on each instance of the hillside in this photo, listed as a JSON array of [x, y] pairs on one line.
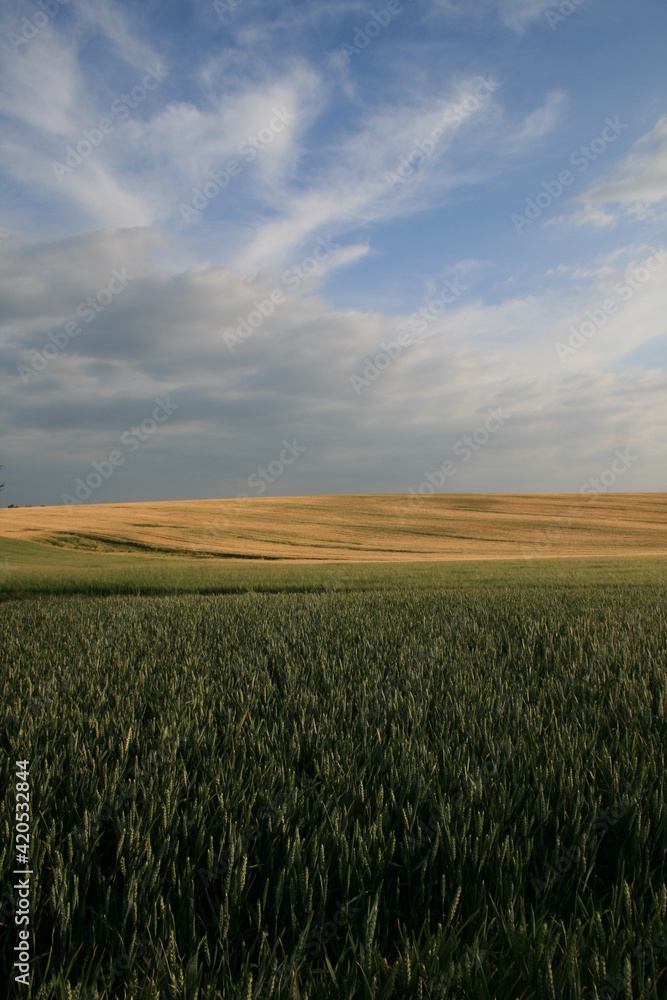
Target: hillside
[[358, 528]]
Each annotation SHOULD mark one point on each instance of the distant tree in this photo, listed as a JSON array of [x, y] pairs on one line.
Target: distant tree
[[1, 484]]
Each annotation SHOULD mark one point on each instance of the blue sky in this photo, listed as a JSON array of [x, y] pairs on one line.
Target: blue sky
[[240, 207]]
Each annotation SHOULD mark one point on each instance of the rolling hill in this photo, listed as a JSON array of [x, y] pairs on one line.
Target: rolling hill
[[394, 528]]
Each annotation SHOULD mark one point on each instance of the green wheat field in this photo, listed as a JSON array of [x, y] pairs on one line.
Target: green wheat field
[[337, 747], [374, 781]]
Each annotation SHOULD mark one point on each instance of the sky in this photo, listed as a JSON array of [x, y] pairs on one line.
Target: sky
[[268, 248]]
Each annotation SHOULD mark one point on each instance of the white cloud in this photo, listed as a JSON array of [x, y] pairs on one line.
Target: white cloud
[[324, 175], [526, 329], [152, 160], [353, 185], [111, 20], [637, 188], [538, 123], [42, 86], [291, 377]]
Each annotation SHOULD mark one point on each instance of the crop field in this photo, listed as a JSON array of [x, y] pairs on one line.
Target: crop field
[[414, 792], [339, 543], [29, 568], [389, 528]]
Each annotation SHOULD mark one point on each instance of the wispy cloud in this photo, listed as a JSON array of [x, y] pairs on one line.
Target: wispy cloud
[[113, 22], [395, 153], [637, 188], [537, 124], [352, 187], [164, 334]]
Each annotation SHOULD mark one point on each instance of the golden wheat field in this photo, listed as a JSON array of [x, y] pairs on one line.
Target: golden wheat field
[[359, 528]]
